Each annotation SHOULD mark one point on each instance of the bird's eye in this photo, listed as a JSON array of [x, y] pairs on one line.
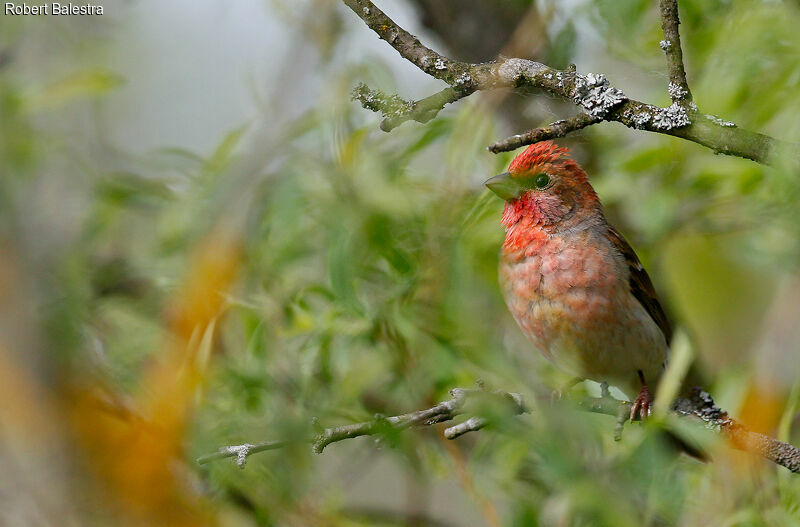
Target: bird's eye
[[542, 180]]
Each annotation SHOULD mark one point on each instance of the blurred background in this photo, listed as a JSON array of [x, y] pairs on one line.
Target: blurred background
[[204, 242]]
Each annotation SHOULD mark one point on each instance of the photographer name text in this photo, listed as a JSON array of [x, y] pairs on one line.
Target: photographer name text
[[52, 9]]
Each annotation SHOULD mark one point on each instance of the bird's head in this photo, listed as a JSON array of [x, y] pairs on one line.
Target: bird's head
[[544, 185]]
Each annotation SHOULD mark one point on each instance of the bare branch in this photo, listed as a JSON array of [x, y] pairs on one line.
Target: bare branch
[[241, 452], [551, 131], [678, 87], [406, 44], [442, 412], [473, 424], [699, 405], [590, 91]]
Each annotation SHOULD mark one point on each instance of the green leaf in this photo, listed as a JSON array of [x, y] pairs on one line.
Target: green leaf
[[125, 188], [221, 156], [340, 269], [82, 85]]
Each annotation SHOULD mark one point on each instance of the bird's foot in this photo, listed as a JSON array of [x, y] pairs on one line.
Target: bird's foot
[[642, 405]]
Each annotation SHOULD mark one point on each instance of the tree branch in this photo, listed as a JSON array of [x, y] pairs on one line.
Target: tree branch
[[406, 44], [699, 405], [445, 411], [551, 131], [590, 91], [679, 90], [241, 452], [396, 110]]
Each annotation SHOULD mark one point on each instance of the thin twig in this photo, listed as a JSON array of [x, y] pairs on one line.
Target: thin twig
[[439, 413], [551, 131], [444, 411], [679, 90], [591, 91], [396, 111], [698, 405], [241, 452], [427, 108], [406, 44], [473, 424]]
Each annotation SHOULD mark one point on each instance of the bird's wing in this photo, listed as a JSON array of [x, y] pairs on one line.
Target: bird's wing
[[641, 286]]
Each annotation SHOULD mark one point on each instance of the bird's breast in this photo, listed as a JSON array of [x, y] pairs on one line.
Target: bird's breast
[[563, 283], [572, 299]]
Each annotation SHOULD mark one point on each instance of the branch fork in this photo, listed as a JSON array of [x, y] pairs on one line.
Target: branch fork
[[462, 401], [599, 100]]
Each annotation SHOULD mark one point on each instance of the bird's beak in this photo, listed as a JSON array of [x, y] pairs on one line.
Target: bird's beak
[[504, 186]]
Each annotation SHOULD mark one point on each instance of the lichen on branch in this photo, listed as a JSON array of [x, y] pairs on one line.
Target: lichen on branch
[[591, 91], [377, 101], [396, 110]]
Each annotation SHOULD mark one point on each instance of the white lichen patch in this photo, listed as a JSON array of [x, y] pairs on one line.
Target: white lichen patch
[[596, 79], [464, 79], [673, 117], [665, 45], [593, 92], [241, 452], [640, 119], [439, 64], [720, 122], [366, 11], [676, 91]]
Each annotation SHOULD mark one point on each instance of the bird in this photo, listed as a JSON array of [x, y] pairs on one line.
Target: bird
[[572, 282]]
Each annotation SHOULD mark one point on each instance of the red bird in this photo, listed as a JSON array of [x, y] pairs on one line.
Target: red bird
[[572, 282]]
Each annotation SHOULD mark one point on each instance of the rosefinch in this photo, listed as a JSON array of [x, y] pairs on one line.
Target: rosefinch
[[572, 282]]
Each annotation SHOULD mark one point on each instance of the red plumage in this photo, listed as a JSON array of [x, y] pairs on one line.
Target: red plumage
[[541, 154], [573, 284]]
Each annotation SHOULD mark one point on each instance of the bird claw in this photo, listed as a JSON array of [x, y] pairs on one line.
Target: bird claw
[[642, 405]]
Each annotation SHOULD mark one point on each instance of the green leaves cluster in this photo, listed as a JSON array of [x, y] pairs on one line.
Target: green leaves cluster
[[368, 277]]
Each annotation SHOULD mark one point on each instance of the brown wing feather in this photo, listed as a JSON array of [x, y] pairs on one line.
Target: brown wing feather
[[641, 286]]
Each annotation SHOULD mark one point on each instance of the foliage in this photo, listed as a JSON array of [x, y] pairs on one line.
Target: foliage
[[337, 272]]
